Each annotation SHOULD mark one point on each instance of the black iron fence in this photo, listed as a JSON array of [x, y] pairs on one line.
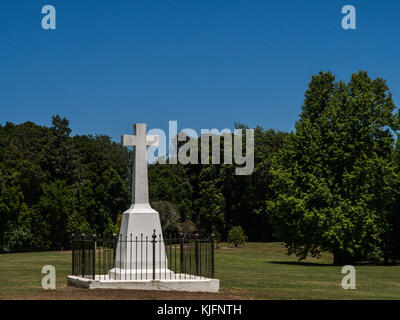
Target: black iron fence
[[143, 257]]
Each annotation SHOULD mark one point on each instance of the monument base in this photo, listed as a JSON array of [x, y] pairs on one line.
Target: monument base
[[190, 284], [135, 243], [140, 274]]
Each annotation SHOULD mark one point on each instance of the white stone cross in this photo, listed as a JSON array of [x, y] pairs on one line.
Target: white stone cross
[[140, 141], [140, 220]]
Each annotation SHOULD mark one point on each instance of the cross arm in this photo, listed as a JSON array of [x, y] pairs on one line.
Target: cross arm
[[129, 140]]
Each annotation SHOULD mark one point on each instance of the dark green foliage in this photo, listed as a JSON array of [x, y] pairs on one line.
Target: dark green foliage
[[17, 240], [53, 185], [214, 197], [335, 182], [172, 183], [236, 236]]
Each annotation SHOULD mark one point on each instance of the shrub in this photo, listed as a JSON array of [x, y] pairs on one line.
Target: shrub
[[236, 236], [17, 240], [187, 228]]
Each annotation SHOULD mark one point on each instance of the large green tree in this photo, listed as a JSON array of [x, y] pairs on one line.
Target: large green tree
[[334, 180]]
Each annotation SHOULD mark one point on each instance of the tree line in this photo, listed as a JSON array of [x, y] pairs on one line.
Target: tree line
[[331, 185], [53, 185]]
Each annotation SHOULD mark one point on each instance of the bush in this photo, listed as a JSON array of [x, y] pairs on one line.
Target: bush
[[236, 236], [17, 240], [187, 229]]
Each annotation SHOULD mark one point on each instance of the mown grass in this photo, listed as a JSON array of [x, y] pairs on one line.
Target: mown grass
[[256, 271], [264, 271], [21, 273]]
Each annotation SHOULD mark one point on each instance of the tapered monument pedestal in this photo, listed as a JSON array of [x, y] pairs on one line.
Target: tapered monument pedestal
[[134, 255]]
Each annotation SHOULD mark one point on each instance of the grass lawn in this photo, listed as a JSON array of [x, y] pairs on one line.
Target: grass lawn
[[257, 271], [264, 271]]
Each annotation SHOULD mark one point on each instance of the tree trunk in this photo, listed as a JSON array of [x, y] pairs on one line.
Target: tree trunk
[[341, 259], [386, 259]]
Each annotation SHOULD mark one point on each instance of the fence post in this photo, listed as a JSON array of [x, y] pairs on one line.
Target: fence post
[[212, 255], [181, 254], [94, 257], [73, 254], [196, 253], [83, 257], [120, 255], [114, 247], [154, 253]]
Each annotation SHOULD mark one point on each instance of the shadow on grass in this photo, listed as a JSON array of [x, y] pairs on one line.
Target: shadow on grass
[[300, 263], [316, 264]]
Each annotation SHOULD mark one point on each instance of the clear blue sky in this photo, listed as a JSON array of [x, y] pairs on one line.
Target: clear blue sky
[[204, 63]]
